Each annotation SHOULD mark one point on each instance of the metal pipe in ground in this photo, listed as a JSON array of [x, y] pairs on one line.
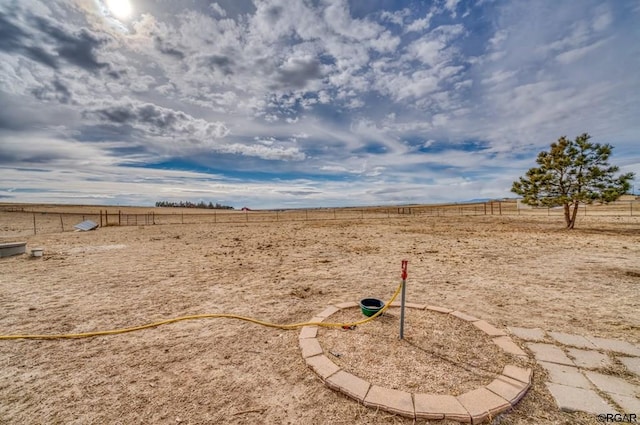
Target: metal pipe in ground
[[404, 287]]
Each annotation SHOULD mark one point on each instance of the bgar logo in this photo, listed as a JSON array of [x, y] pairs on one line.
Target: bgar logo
[[617, 417]]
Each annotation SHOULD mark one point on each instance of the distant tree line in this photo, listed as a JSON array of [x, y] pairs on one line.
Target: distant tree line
[[189, 204]]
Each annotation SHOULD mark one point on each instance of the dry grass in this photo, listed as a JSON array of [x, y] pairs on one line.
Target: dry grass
[[440, 353], [520, 271]]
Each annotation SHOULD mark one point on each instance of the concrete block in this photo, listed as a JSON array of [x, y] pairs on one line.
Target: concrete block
[[316, 319], [310, 347], [507, 344], [518, 373], [510, 389], [482, 404], [439, 309], [348, 384], [437, 407], [572, 340], [549, 353], [628, 404], [566, 375], [533, 334], [328, 311], [464, 316], [322, 366], [632, 363], [613, 384], [616, 346], [488, 328], [394, 401], [572, 399], [589, 359], [308, 332]]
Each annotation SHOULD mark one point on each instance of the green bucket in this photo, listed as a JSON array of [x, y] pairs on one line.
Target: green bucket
[[370, 306]]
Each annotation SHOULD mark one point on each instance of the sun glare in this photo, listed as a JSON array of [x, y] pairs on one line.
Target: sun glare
[[121, 9]]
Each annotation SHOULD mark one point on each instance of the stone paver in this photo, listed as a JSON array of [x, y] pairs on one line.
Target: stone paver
[[482, 403], [632, 363], [628, 404], [519, 373], [572, 399], [348, 384], [533, 334], [310, 347], [328, 311], [439, 309], [322, 366], [549, 353], [391, 400], [566, 375], [589, 359], [616, 345], [464, 316], [573, 340], [432, 406], [612, 384], [348, 304], [316, 319], [488, 328], [308, 332], [507, 344], [510, 389]]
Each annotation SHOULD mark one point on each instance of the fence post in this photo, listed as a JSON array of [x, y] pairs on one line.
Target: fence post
[[491, 207], [500, 207], [485, 208], [119, 218], [100, 218], [34, 223], [61, 223], [631, 207]]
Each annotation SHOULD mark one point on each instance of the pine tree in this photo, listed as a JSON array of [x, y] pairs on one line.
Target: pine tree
[[572, 172]]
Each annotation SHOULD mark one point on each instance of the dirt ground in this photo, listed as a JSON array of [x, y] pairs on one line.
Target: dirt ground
[[510, 271]]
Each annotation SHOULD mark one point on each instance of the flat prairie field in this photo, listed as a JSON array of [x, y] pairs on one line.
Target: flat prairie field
[[517, 271]]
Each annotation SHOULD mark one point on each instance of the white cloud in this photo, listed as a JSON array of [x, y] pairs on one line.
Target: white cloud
[[573, 55], [388, 99]]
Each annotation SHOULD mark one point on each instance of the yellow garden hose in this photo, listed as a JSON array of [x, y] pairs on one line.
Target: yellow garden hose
[[205, 316]]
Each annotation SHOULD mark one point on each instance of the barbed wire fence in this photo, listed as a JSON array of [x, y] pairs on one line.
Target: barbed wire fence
[[22, 221]]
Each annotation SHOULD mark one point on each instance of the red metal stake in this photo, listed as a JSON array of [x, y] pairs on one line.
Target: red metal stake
[[404, 284]]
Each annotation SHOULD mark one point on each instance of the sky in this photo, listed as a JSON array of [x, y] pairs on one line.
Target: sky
[[306, 103]]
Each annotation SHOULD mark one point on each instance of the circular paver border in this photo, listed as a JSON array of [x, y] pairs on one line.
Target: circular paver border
[[473, 406]]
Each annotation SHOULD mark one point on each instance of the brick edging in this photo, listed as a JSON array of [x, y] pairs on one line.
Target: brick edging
[[473, 406]]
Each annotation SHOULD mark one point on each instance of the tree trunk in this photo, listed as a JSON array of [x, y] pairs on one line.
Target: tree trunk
[[574, 215], [567, 215]]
